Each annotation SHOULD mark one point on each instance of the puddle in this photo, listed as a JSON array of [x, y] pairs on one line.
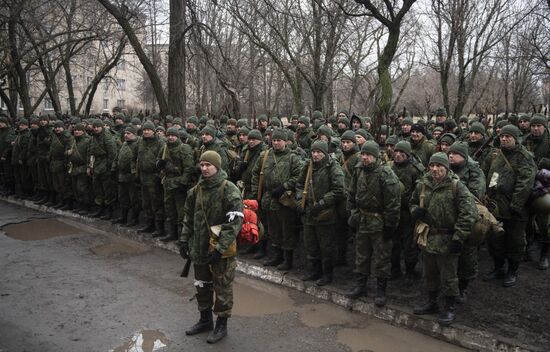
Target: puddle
[[256, 298], [321, 314], [40, 229], [119, 247], [380, 337], [144, 341]]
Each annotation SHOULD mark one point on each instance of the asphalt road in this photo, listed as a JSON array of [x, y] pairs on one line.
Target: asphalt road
[[68, 287]]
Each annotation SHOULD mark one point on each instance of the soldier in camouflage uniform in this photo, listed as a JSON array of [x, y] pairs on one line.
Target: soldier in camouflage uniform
[[152, 199], [60, 143], [125, 167], [469, 172], [102, 151], [7, 136], [304, 134], [373, 198], [510, 179], [43, 140], [450, 211], [422, 149], [322, 181], [348, 159], [78, 163], [409, 171], [178, 169], [213, 201], [19, 158], [32, 160], [279, 173], [538, 143], [211, 142]]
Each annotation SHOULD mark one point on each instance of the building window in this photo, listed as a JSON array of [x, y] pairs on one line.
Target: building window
[[48, 104], [121, 84], [105, 84], [105, 104], [88, 80], [120, 103], [121, 65]]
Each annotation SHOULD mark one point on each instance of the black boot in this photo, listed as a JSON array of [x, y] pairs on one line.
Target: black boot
[[463, 288], [123, 219], [359, 287], [148, 228], [543, 262], [134, 219], [288, 256], [51, 199], [220, 331], [396, 272], [43, 198], [84, 209], [204, 324], [262, 249], [429, 307], [68, 205], [159, 229], [448, 315], [172, 234], [97, 212], [512, 275], [314, 271], [108, 213], [498, 271], [380, 299], [326, 278], [409, 274], [276, 259]]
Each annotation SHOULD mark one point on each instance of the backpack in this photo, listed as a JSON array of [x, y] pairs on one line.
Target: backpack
[[250, 232]]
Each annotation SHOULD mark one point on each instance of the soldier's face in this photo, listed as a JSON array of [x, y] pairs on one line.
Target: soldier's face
[[390, 150], [399, 156], [34, 126], [191, 126], [475, 136], [455, 158], [524, 124], [360, 140], [317, 155], [160, 133], [436, 134], [367, 159], [416, 135], [97, 129], [278, 144], [148, 133], [207, 169], [43, 122], [231, 128], [129, 136], [78, 133], [301, 125], [444, 147], [406, 128], [438, 171], [252, 142], [3, 125], [206, 137], [440, 118], [356, 124], [58, 130], [537, 130], [322, 137], [23, 127], [342, 126], [243, 138], [507, 141], [262, 124], [346, 145], [367, 125]]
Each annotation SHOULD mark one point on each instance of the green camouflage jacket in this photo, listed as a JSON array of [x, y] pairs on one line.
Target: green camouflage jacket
[[207, 204], [78, 155], [471, 176], [125, 163], [408, 172], [449, 215], [540, 147], [375, 193], [58, 147], [7, 135], [423, 150], [147, 152], [21, 148], [103, 148], [348, 160], [180, 167]]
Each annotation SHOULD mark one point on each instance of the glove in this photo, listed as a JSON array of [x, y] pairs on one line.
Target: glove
[[418, 213], [215, 257], [316, 209], [278, 192], [455, 247], [161, 164], [388, 233], [184, 250]]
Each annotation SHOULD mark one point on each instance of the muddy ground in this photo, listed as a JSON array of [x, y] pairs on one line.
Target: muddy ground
[[70, 287]]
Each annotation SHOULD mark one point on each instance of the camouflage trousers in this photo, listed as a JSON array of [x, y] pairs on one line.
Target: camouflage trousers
[[440, 273], [216, 279], [282, 227], [128, 195], [511, 245], [372, 247], [61, 183], [537, 229], [319, 244], [152, 200], [44, 175], [104, 189], [467, 263], [403, 241], [22, 177], [344, 232], [81, 185], [174, 203]]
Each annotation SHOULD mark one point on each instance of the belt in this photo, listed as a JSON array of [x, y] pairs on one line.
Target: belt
[[368, 212]]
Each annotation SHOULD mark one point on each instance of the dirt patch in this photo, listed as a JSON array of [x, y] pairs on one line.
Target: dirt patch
[[119, 247], [144, 341], [249, 293], [40, 229]]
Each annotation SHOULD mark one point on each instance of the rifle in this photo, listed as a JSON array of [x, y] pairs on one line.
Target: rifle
[[164, 156], [261, 180], [306, 184], [477, 153], [186, 267]]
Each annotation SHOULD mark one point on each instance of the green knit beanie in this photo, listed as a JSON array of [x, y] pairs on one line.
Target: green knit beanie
[[404, 146], [511, 130], [255, 134], [213, 158], [209, 130], [459, 148], [320, 145], [348, 135], [372, 148], [439, 158]]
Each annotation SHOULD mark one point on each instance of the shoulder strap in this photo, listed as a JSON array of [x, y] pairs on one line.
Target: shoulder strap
[[422, 196]]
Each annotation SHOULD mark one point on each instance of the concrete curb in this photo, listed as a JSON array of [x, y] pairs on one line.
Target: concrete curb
[[396, 315]]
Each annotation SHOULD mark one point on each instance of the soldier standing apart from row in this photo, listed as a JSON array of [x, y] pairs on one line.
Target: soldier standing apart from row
[[451, 218], [322, 185], [374, 198], [276, 172], [178, 169], [152, 199], [510, 179], [213, 201]]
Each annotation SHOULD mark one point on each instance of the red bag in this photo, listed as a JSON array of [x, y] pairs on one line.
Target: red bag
[[250, 232]]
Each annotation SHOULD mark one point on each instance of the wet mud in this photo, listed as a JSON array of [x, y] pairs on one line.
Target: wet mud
[[144, 341], [40, 229], [119, 247]]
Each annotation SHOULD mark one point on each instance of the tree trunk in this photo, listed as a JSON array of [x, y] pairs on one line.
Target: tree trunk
[[176, 59]]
